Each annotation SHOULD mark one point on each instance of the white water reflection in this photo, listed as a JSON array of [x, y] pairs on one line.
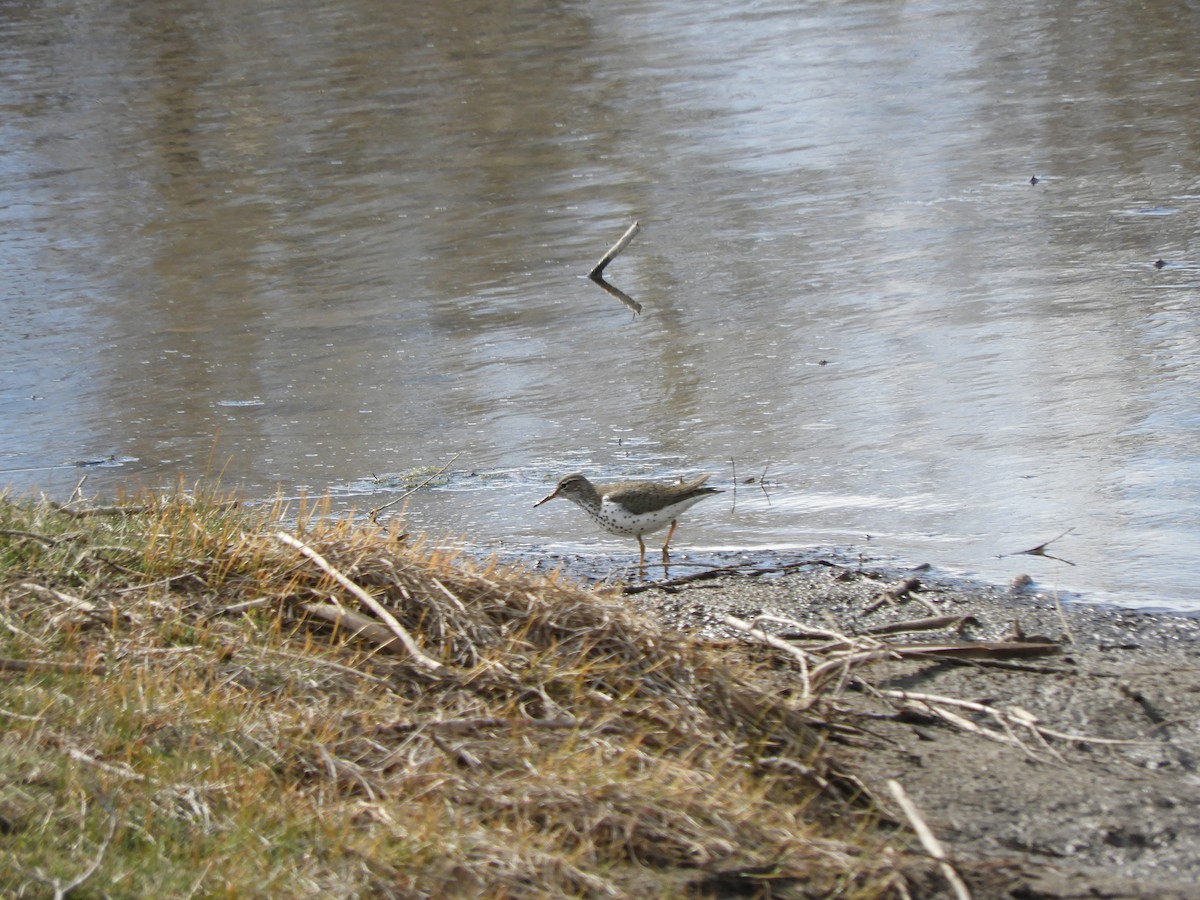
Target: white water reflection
[[300, 245]]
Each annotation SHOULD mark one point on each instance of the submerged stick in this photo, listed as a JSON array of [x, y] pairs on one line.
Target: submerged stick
[[377, 510], [598, 269], [1040, 549]]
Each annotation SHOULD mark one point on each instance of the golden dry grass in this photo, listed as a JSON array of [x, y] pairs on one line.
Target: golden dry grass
[[179, 716]]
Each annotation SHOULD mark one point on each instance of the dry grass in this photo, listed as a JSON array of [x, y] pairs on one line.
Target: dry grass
[[179, 717]]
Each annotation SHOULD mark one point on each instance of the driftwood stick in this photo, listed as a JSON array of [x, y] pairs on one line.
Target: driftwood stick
[[860, 653], [852, 660], [933, 623], [614, 250], [671, 583], [367, 600], [976, 650], [1014, 715], [358, 625], [779, 644], [800, 631], [928, 840]]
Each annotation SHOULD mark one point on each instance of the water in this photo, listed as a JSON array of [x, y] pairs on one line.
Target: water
[[306, 247]]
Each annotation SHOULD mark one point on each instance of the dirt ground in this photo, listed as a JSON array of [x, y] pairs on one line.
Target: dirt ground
[[1035, 817]]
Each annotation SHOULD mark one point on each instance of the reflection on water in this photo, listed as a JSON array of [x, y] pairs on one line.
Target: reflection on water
[[617, 293], [302, 244]]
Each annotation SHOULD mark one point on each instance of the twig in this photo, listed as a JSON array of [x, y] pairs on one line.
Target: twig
[[445, 590], [802, 631], [83, 606], [850, 660], [121, 771], [779, 644], [930, 624], [367, 600], [37, 665], [316, 660], [598, 269], [200, 880], [467, 726], [1062, 618], [47, 541], [928, 840], [761, 481], [78, 492], [905, 589], [461, 755], [668, 584], [1040, 549], [357, 625], [978, 649], [377, 510], [860, 652], [1013, 716], [235, 608], [61, 891], [85, 511]]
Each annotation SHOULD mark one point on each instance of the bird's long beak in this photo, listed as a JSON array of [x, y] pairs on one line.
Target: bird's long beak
[[550, 496]]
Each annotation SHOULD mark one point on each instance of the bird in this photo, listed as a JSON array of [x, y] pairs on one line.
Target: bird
[[633, 508]]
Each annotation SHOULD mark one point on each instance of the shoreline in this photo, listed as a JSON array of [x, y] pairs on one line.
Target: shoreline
[[1055, 818], [614, 565]]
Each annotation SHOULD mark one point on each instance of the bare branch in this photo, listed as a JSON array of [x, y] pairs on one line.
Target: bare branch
[[598, 269]]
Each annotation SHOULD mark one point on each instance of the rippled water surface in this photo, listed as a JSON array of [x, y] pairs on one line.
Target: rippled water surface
[[325, 247]]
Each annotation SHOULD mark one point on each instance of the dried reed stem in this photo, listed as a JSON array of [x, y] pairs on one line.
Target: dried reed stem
[[367, 600]]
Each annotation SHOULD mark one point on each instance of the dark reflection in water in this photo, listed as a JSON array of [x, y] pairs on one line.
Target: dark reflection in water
[[301, 244]]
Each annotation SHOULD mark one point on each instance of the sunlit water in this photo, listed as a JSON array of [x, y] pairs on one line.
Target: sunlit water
[[315, 247]]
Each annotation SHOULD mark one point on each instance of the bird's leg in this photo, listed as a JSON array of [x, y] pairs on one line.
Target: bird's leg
[[642, 558], [666, 544]]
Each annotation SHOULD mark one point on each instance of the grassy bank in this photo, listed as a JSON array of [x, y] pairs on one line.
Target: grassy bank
[[195, 703]]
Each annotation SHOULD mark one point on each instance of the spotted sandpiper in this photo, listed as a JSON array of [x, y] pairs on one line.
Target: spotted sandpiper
[[633, 507]]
